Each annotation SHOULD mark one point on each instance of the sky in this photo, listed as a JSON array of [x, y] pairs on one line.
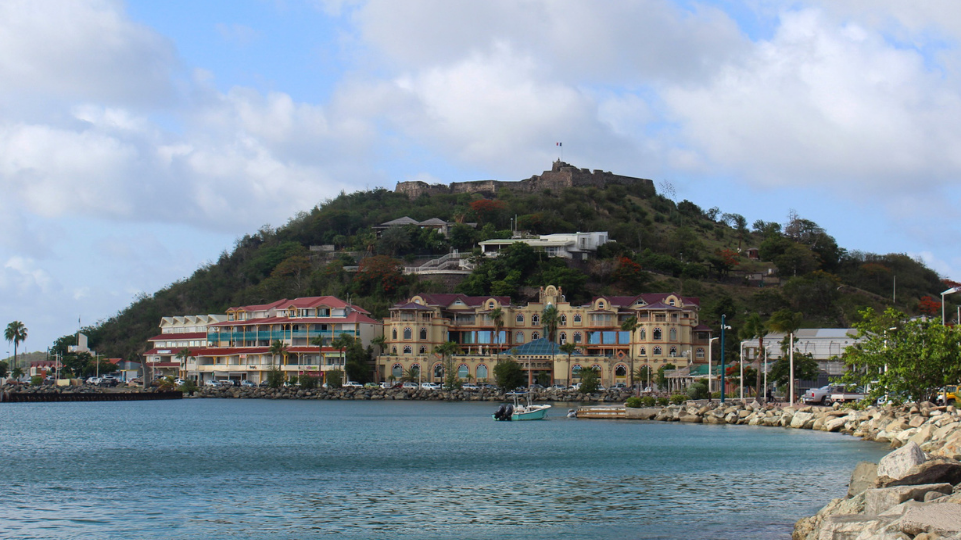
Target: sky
[[141, 139]]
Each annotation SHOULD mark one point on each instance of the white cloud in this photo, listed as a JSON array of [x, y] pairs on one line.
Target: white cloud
[[830, 105], [237, 34]]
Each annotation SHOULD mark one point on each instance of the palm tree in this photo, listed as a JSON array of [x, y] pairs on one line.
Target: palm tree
[[568, 348], [183, 355], [447, 352], [342, 342], [15, 332], [754, 327], [411, 374], [549, 320], [381, 343], [787, 322], [278, 348], [497, 315], [631, 325]]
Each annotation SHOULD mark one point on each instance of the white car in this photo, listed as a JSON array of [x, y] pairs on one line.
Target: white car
[[430, 386], [212, 382], [470, 387], [410, 385], [94, 380], [352, 384]]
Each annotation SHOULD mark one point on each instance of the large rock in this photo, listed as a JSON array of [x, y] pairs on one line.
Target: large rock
[[878, 500], [865, 476], [896, 464], [802, 420], [933, 471], [941, 518]]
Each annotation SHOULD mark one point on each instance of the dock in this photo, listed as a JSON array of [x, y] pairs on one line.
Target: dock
[[601, 411]]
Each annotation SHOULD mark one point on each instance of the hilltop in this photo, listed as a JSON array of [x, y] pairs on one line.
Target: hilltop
[[660, 245]]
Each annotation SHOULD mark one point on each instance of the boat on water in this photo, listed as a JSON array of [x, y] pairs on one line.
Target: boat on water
[[519, 410]]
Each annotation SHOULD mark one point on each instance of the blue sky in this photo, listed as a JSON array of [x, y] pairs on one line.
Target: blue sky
[[140, 139]]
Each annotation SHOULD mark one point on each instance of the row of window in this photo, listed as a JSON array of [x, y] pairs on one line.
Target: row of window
[[657, 351], [595, 338], [481, 372]]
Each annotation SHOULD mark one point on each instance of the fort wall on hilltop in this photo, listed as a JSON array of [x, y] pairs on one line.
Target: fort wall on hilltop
[[562, 175]]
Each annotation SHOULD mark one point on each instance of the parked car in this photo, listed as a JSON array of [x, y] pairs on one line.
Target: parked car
[[619, 386], [212, 382], [470, 387], [535, 387], [180, 382], [371, 385], [93, 380], [247, 384], [821, 395], [846, 395], [352, 384], [264, 383], [410, 385], [558, 387], [430, 386], [948, 395], [108, 382]]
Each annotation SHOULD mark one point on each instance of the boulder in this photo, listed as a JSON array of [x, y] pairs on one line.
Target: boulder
[[938, 518], [802, 418], [879, 500], [865, 476], [835, 424], [933, 471], [896, 464]]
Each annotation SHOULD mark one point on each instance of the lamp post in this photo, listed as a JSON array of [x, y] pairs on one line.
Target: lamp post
[[741, 361], [952, 290], [723, 326], [710, 372]]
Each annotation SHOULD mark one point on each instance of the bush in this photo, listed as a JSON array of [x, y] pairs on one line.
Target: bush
[[662, 401], [698, 390], [307, 382], [633, 402], [677, 399], [275, 377], [648, 401], [36, 380], [189, 386]]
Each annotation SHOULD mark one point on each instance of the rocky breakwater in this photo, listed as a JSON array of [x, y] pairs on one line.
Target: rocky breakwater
[[912, 493], [294, 392]]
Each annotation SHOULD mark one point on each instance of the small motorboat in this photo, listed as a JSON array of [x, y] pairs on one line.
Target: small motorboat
[[519, 411]]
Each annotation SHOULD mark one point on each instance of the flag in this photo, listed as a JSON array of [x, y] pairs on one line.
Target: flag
[[560, 144]]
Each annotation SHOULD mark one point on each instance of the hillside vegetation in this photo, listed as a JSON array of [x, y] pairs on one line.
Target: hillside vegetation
[[660, 246]]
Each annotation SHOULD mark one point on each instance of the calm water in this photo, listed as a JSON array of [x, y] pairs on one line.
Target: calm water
[[305, 469]]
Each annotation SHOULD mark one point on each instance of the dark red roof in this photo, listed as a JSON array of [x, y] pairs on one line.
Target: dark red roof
[[648, 298], [352, 317], [188, 335], [304, 302], [445, 300]]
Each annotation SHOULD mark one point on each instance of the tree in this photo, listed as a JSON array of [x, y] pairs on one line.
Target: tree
[[497, 316], [4, 368], [590, 378], [15, 333], [754, 327], [805, 368], [661, 378], [278, 348], [447, 351], [911, 359], [509, 375], [412, 374], [379, 275], [395, 240], [631, 325], [182, 355], [550, 320]]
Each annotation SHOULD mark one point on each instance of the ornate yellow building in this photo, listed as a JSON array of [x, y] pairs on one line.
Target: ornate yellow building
[[668, 331]]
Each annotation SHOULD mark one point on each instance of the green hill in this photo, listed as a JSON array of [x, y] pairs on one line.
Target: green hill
[[660, 246]]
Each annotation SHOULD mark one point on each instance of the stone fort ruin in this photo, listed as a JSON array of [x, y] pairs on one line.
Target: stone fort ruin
[[562, 175]]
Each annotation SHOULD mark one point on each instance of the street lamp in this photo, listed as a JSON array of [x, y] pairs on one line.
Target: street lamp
[[740, 360], [952, 290], [710, 372], [723, 327]]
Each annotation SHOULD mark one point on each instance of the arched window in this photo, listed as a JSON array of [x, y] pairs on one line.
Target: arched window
[[699, 353], [439, 371], [671, 301], [394, 334], [673, 334], [393, 350], [535, 319], [577, 337], [423, 333], [535, 336], [407, 349], [597, 368], [577, 317], [657, 351], [563, 320], [643, 351], [407, 333], [397, 371], [463, 371], [563, 338], [620, 370], [600, 305], [481, 372], [673, 352], [519, 318], [519, 338], [490, 305], [657, 334], [643, 334], [415, 368], [576, 370], [423, 350]]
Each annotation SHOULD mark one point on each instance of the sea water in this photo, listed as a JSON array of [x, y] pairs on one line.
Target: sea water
[[211, 468]]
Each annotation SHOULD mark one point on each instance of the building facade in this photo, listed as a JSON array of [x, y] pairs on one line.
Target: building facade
[[826, 345], [668, 331], [177, 333], [579, 245]]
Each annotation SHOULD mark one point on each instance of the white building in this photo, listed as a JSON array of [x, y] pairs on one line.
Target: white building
[[825, 344], [579, 245]]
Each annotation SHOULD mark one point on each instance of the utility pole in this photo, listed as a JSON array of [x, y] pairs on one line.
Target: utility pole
[[722, 357]]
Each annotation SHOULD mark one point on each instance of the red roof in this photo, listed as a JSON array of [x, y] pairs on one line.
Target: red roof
[[173, 350], [304, 302], [352, 317], [648, 298], [172, 337], [445, 300]]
